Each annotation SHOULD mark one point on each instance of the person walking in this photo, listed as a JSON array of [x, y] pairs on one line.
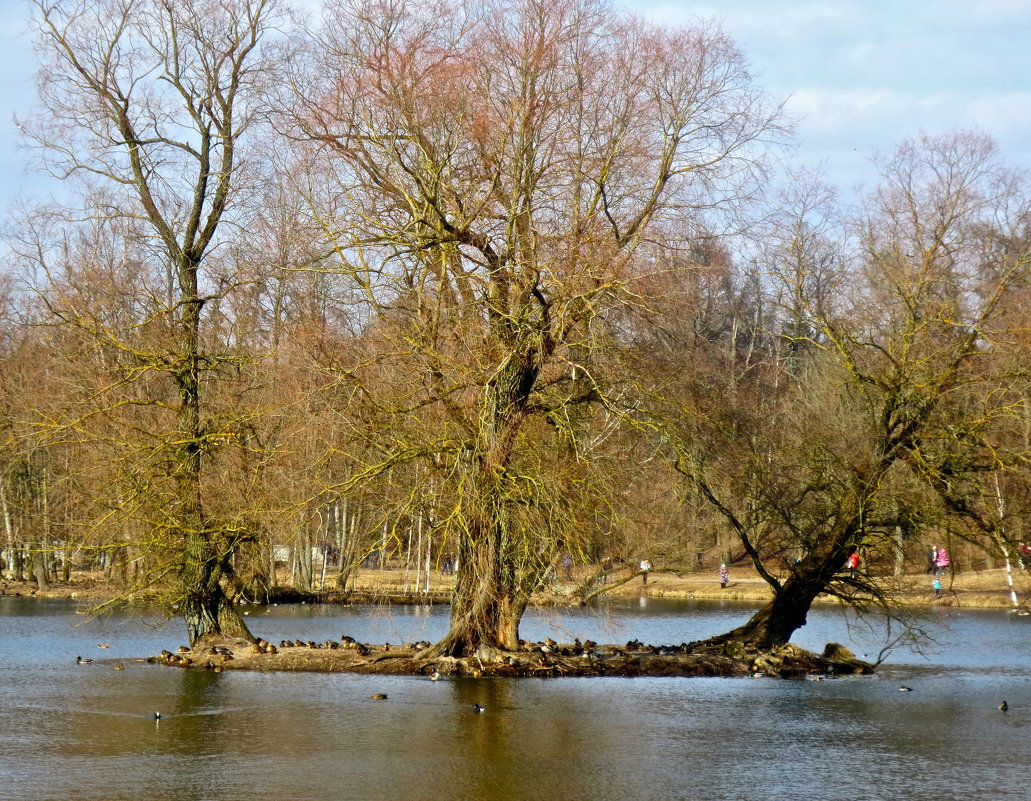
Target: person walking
[[724, 576]]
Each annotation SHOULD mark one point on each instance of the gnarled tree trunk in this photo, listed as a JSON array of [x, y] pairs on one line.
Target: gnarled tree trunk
[[487, 605], [776, 622], [497, 564]]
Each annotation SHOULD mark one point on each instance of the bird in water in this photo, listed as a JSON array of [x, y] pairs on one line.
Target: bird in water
[[435, 675], [478, 709], [157, 716], [80, 661], [1004, 706], [378, 696], [905, 689]]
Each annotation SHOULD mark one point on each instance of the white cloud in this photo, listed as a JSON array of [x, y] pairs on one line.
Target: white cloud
[[843, 129], [879, 112], [1008, 114], [994, 10], [829, 112]]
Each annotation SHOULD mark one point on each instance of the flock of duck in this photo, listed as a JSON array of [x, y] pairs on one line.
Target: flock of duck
[[539, 654], [532, 658], [546, 657]]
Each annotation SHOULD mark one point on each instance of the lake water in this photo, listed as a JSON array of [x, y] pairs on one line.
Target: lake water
[[71, 731]]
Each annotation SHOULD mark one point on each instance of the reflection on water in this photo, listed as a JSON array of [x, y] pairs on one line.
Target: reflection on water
[[69, 731]]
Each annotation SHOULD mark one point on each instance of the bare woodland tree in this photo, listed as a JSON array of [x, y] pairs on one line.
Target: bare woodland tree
[[895, 371], [147, 102], [497, 167], [471, 297]]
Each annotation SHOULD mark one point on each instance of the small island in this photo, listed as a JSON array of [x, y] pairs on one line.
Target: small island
[[546, 659]]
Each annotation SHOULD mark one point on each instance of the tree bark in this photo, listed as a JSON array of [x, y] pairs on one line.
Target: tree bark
[[493, 586], [486, 608], [207, 611], [776, 622], [819, 571], [39, 566]]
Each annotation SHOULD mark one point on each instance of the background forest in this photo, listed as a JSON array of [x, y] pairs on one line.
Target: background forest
[[489, 287]]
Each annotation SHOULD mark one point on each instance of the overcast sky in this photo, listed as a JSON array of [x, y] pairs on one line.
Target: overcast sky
[[858, 75]]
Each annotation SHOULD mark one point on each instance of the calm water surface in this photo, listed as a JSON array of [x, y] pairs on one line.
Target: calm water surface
[[69, 731]]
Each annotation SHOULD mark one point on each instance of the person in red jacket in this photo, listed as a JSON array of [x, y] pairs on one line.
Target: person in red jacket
[[852, 563]]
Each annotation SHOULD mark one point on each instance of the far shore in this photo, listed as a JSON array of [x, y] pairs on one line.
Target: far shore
[[984, 589]]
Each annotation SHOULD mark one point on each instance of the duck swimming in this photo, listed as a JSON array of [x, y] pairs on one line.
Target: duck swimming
[[80, 661]]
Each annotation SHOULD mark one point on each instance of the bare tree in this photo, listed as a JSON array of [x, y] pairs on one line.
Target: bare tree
[[497, 166], [147, 104], [892, 374]]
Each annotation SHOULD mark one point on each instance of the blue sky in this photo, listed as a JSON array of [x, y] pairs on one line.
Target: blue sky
[[858, 75]]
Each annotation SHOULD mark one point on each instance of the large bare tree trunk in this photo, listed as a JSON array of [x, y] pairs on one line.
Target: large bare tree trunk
[[776, 622], [493, 585], [487, 605], [818, 572], [207, 611]]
